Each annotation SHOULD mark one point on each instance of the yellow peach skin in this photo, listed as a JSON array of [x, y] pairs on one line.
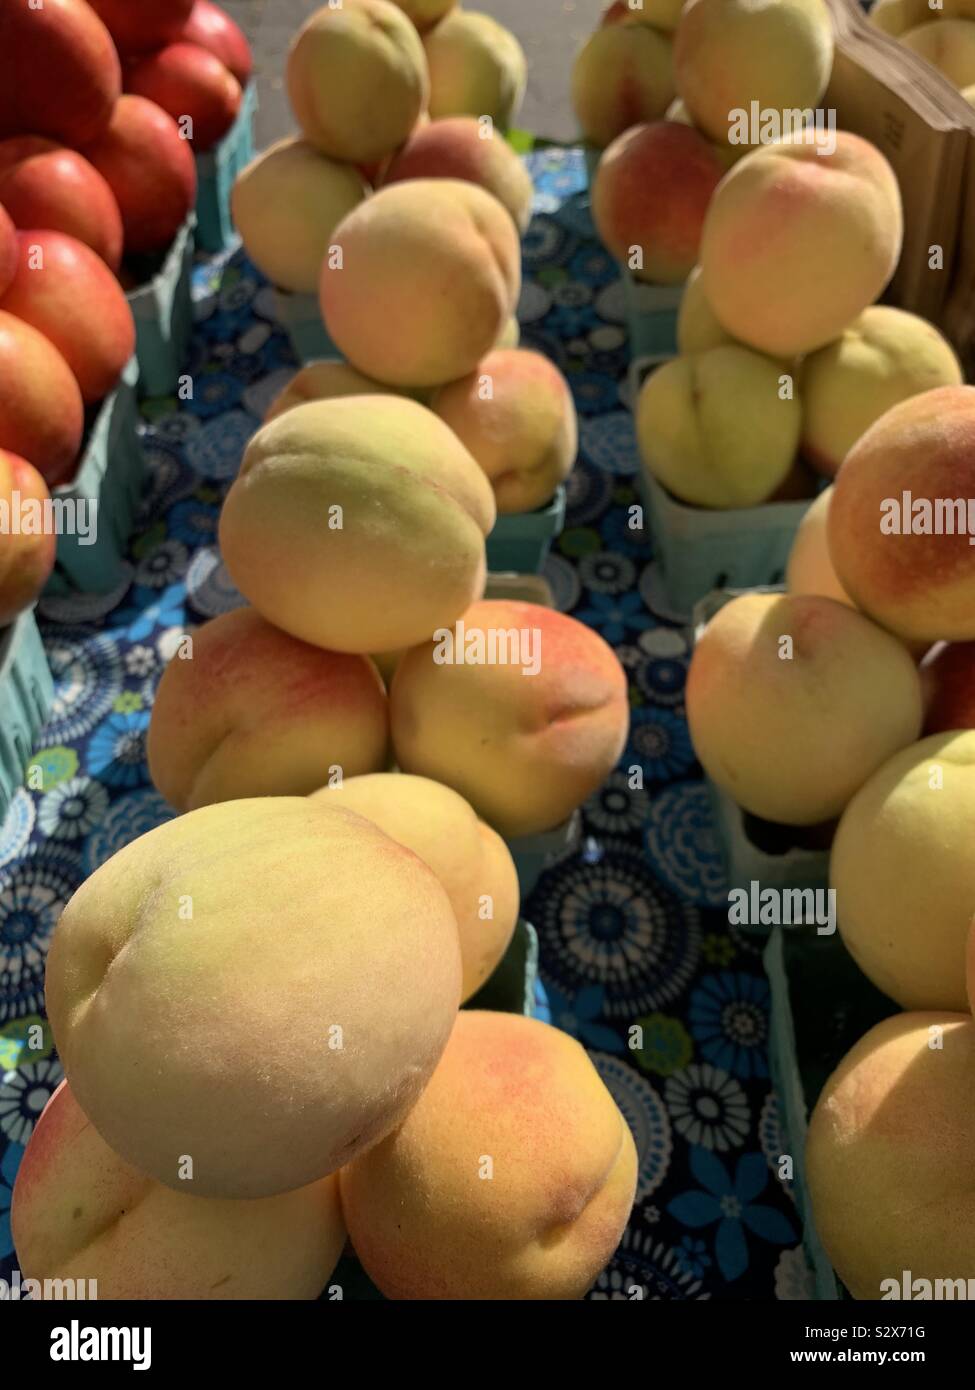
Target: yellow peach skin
[[798, 241], [810, 570], [516, 415], [659, 14], [470, 859], [524, 749], [731, 53], [80, 1212], [322, 381], [357, 79], [358, 524], [904, 876], [888, 554], [885, 356], [720, 428], [793, 701], [26, 561], [462, 147], [888, 1157], [477, 68], [425, 13], [512, 1178], [249, 995], [622, 76], [697, 328], [425, 276], [251, 711], [949, 45], [286, 204]]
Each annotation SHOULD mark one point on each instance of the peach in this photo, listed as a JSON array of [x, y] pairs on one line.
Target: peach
[[425, 13], [287, 204], [899, 521], [521, 709], [322, 381], [470, 859], [884, 357], [903, 872], [253, 712], [512, 1178], [151, 171], [477, 68], [650, 196], [793, 701], [9, 250], [43, 184], [26, 557], [661, 14], [285, 973], [460, 147], [729, 54], [213, 29], [193, 86], [516, 415], [810, 569], [42, 415], [421, 280], [358, 524], [719, 429], [949, 45], [357, 79], [897, 16], [510, 335], [697, 328], [798, 241], [80, 1212], [948, 679], [59, 72], [145, 25], [67, 292], [622, 76], [888, 1159]]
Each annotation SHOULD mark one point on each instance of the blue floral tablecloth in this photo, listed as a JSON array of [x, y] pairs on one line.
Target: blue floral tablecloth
[[632, 926]]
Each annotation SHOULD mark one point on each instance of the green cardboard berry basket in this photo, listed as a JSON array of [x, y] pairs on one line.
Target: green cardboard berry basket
[[163, 310], [510, 990], [26, 695], [821, 1004], [534, 853], [521, 541], [652, 312], [216, 172], [110, 477], [301, 317], [700, 549], [776, 856]]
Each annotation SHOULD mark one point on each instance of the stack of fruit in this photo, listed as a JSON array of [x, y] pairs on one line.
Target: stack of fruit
[[944, 34]]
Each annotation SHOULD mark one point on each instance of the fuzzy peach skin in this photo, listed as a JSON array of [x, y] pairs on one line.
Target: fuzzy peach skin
[[797, 241], [730, 53], [919, 586], [889, 1155], [810, 570], [660, 14], [516, 415], [357, 79], [903, 872], [697, 328], [470, 859], [42, 415], [430, 1220], [948, 680], [80, 1212], [524, 750], [425, 13], [255, 712], [261, 988], [322, 381], [622, 76], [462, 147], [885, 356], [650, 196], [287, 204], [74, 74], [719, 429], [477, 68], [43, 184], [794, 700], [67, 292], [403, 554], [949, 45], [26, 561], [425, 276]]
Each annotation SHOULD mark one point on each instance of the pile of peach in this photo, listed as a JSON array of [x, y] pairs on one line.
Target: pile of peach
[[810, 707], [944, 34]]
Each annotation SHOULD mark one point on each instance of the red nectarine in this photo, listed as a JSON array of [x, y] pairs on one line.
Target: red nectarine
[[213, 29], [139, 26], [188, 82], [59, 72], [26, 555], [44, 184], [41, 412]]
